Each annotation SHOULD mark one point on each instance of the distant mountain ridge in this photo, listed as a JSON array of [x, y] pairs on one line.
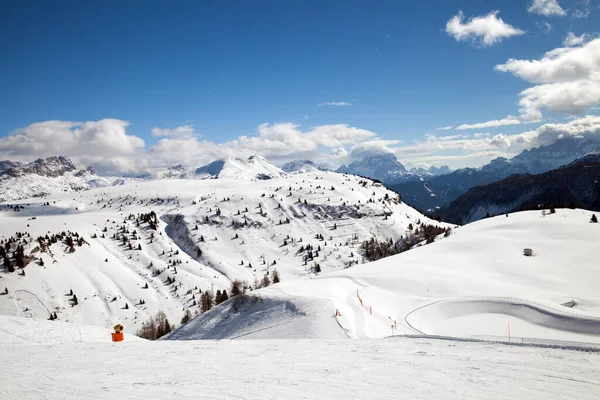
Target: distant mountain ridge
[[434, 192], [387, 169], [577, 184]]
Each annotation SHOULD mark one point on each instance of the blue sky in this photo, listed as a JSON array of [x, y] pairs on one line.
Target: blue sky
[[226, 67]]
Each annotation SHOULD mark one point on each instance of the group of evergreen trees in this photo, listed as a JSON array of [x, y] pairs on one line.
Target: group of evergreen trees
[[155, 327]]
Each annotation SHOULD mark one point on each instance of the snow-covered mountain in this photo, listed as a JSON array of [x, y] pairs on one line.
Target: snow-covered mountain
[[255, 167], [302, 166], [383, 167], [45, 176], [202, 234], [177, 171], [431, 171], [387, 169]]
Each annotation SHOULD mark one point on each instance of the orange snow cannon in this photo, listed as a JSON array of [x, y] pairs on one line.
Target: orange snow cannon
[[117, 335]]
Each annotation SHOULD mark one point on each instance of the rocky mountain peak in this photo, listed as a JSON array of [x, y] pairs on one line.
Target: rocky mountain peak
[[50, 167]]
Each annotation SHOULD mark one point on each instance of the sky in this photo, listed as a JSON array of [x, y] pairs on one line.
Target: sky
[[128, 87]]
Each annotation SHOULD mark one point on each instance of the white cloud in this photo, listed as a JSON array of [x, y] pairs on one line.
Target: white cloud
[[475, 150], [486, 30], [110, 149], [490, 124], [90, 141], [335, 104], [181, 131], [444, 128], [547, 8], [567, 78], [573, 40]]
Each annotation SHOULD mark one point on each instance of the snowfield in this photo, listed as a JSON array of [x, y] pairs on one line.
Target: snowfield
[[395, 368], [19, 330]]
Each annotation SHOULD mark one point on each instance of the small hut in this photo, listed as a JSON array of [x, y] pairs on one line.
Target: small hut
[[527, 252]]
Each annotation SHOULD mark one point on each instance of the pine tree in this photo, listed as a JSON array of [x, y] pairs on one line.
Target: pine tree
[[275, 276], [206, 301], [186, 317], [265, 281], [236, 288], [594, 219]]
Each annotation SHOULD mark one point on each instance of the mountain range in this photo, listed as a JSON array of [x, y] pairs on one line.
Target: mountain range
[[387, 169], [574, 185], [432, 193]]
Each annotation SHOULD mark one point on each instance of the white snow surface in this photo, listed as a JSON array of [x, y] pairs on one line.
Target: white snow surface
[[395, 368], [19, 330], [473, 285]]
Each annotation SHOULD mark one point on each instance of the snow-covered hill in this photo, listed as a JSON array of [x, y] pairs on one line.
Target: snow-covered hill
[[208, 232], [476, 284]]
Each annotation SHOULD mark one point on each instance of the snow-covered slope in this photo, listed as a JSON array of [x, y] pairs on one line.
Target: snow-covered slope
[[244, 229], [397, 368], [475, 283]]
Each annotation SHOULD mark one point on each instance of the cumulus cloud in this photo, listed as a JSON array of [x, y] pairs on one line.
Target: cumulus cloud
[[547, 8], [490, 124], [181, 131], [567, 78], [335, 104], [110, 149], [98, 140], [485, 30]]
